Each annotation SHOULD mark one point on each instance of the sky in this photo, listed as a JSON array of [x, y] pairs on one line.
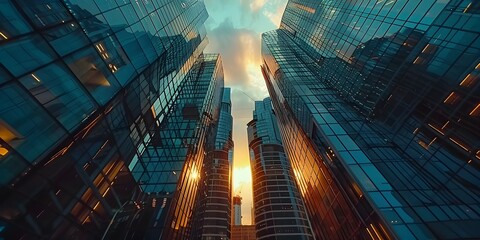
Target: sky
[[234, 30]]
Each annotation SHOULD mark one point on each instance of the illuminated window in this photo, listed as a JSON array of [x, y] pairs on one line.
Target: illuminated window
[[419, 60], [7, 133], [305, 8], [459, 143], [472, 7], [3, 35], [35, 77], [112, 67], [469, 80], [101, 49], [429, 48], [452, 98], [3, 151], [153, 112], [476, 111], [426, 54], [88, 73]]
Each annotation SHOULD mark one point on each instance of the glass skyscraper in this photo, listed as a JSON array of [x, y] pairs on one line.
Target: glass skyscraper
[[170, 169], [104, 111], [378, 106], [278, 206], [213, 210]]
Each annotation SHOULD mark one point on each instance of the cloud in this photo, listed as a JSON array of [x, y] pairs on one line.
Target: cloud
[[240, 51], [256, 5], [275, 16]]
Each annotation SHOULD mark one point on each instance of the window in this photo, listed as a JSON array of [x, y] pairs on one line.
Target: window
[[24, 124], [45, 13], [11, 22], [25, 54], [93, 74], [60, 93], [70, 33]]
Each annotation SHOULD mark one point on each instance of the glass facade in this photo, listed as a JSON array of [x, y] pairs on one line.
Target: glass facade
[[85, 91], [279, 209], [377, 102], [213, 210], [170, 169]]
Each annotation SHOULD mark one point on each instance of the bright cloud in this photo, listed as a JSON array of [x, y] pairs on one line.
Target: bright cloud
[[242, 177], [276, 15], [240, 50], [256, 5]]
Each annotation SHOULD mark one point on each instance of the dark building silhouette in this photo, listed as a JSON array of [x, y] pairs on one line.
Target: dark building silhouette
[[377, 104], [279, 209]]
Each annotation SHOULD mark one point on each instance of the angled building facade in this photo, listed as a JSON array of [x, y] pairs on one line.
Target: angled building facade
[[377, 103], [97, 100], [279, 209], [173, 178]]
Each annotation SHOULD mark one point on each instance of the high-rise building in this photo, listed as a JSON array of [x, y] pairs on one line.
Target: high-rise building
[[378, 107], [182, 142], [213, 211], [104, 111], [279, 208], [237, 210], [243, 232]]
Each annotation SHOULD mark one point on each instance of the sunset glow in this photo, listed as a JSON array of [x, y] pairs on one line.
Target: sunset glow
[[234, 30]]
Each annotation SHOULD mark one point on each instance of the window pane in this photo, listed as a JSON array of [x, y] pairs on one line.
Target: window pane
[[93, 74], [10, 165], [11, 22], [115, 58], [4, 76], [83, 8], [59, 92], [66, 33], [24, 124], [25, 54], [45, 13], [96, 27]]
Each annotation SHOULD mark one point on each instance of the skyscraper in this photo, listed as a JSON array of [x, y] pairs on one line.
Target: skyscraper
[[237, 210], [279, 208], [183, 143], [86, 146], [213, 211], [377, 103], [243, 232]]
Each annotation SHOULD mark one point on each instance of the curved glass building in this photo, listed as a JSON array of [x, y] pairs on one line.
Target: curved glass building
[[378, 108], [278, 206], [213, 212]]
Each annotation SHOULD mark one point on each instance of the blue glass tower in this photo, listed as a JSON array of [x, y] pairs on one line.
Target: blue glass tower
[[91, 140], [377, 102], [170, 169]]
